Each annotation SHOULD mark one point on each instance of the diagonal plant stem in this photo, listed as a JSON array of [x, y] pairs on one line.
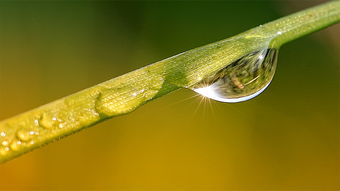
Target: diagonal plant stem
[[121, 95]]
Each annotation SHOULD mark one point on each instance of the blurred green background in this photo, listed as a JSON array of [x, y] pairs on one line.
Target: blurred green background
[[288, 138]]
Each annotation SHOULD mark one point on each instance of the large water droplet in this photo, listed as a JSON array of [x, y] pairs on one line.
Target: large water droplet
[[4, 150], [242, 80]]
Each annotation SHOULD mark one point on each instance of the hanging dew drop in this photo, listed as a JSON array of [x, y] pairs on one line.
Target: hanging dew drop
[[241, 80]]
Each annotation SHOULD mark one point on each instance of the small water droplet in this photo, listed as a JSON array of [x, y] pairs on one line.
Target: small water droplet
[[138, 92], [36, 122], [105, 105], [15, 145], [242, 80], [48, 122], [4, 143], [33, 133], [26, 135], [3, 134], [3, 150]]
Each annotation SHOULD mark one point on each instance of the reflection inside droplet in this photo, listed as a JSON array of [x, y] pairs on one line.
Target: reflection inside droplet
[[242, 80]]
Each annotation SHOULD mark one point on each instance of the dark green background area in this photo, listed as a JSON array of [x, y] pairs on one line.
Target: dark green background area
[[288, 138]]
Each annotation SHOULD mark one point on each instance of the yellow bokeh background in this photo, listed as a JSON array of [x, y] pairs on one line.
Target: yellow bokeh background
[[288, 138]]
